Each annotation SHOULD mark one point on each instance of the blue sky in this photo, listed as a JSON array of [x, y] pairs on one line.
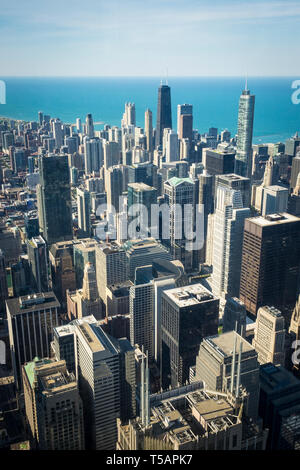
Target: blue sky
[[152, 38]]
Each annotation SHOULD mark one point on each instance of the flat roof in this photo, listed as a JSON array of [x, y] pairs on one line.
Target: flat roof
[[31, 303], [189, 295], [274, 219], [225, 343]]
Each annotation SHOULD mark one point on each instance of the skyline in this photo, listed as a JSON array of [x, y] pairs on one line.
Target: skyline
[[164, 38]]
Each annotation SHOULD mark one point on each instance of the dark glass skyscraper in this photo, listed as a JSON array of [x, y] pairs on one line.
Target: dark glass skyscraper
[[164, 114], [54, 199], [244, 135]]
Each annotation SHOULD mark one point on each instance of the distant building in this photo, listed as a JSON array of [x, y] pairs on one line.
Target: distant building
[[164, 113], [243, 159]]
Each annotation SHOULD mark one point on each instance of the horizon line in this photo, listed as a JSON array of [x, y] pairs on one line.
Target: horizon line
[[148, 76]]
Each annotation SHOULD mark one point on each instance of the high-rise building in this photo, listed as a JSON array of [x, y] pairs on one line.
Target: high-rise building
[[38, 262], [129, 115], [114, 186], [93, 154], [149, 132], [89, 126], [243, 158], [54, 199], [180, 192], [183, 110], [188, 314], [270, 262], [142, 253], [295, 171], [106, 373], [146, 196], [205, 199], [170, 145], [62, 269], [111, 267], [30, 324], [269, 336], [234, 318], [275, 200], [84, 212], [57, 132], [31, 225], [219, 162], [86, 301], [141, 305], [164, 113], [279, 407], [53, 406], [229, 219], [238, 183], [217, 369], [3, 283]]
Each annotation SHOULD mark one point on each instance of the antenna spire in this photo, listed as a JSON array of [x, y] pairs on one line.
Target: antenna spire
[[246, 84]]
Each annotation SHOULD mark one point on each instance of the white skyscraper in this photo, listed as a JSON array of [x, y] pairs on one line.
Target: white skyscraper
[[243, 159], [104, 378], [229, 220], [93, 154], [269, 337], [171, 146]]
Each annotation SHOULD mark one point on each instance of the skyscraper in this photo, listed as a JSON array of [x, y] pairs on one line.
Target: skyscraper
[[270, 262], [53, 405], [38, 262], [229, 219], [30, 324], [184, 109], [106, 373], [164, 113], [84, 212], [111, 267], [188, 315], [149, 131], [218, 367], [3, 283], [146, 196], [243, 156], [54, 199], [89, 126], [93, 154], [269, 336]]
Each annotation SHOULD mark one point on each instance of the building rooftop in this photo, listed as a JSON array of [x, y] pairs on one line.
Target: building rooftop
[[176, 181], [189, 295], [274, 219], [141, 187], [224, 343], [31, 303], [276, 378]]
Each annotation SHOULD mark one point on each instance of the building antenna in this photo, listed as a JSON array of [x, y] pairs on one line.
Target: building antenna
[[246, 84], [167, 76]]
